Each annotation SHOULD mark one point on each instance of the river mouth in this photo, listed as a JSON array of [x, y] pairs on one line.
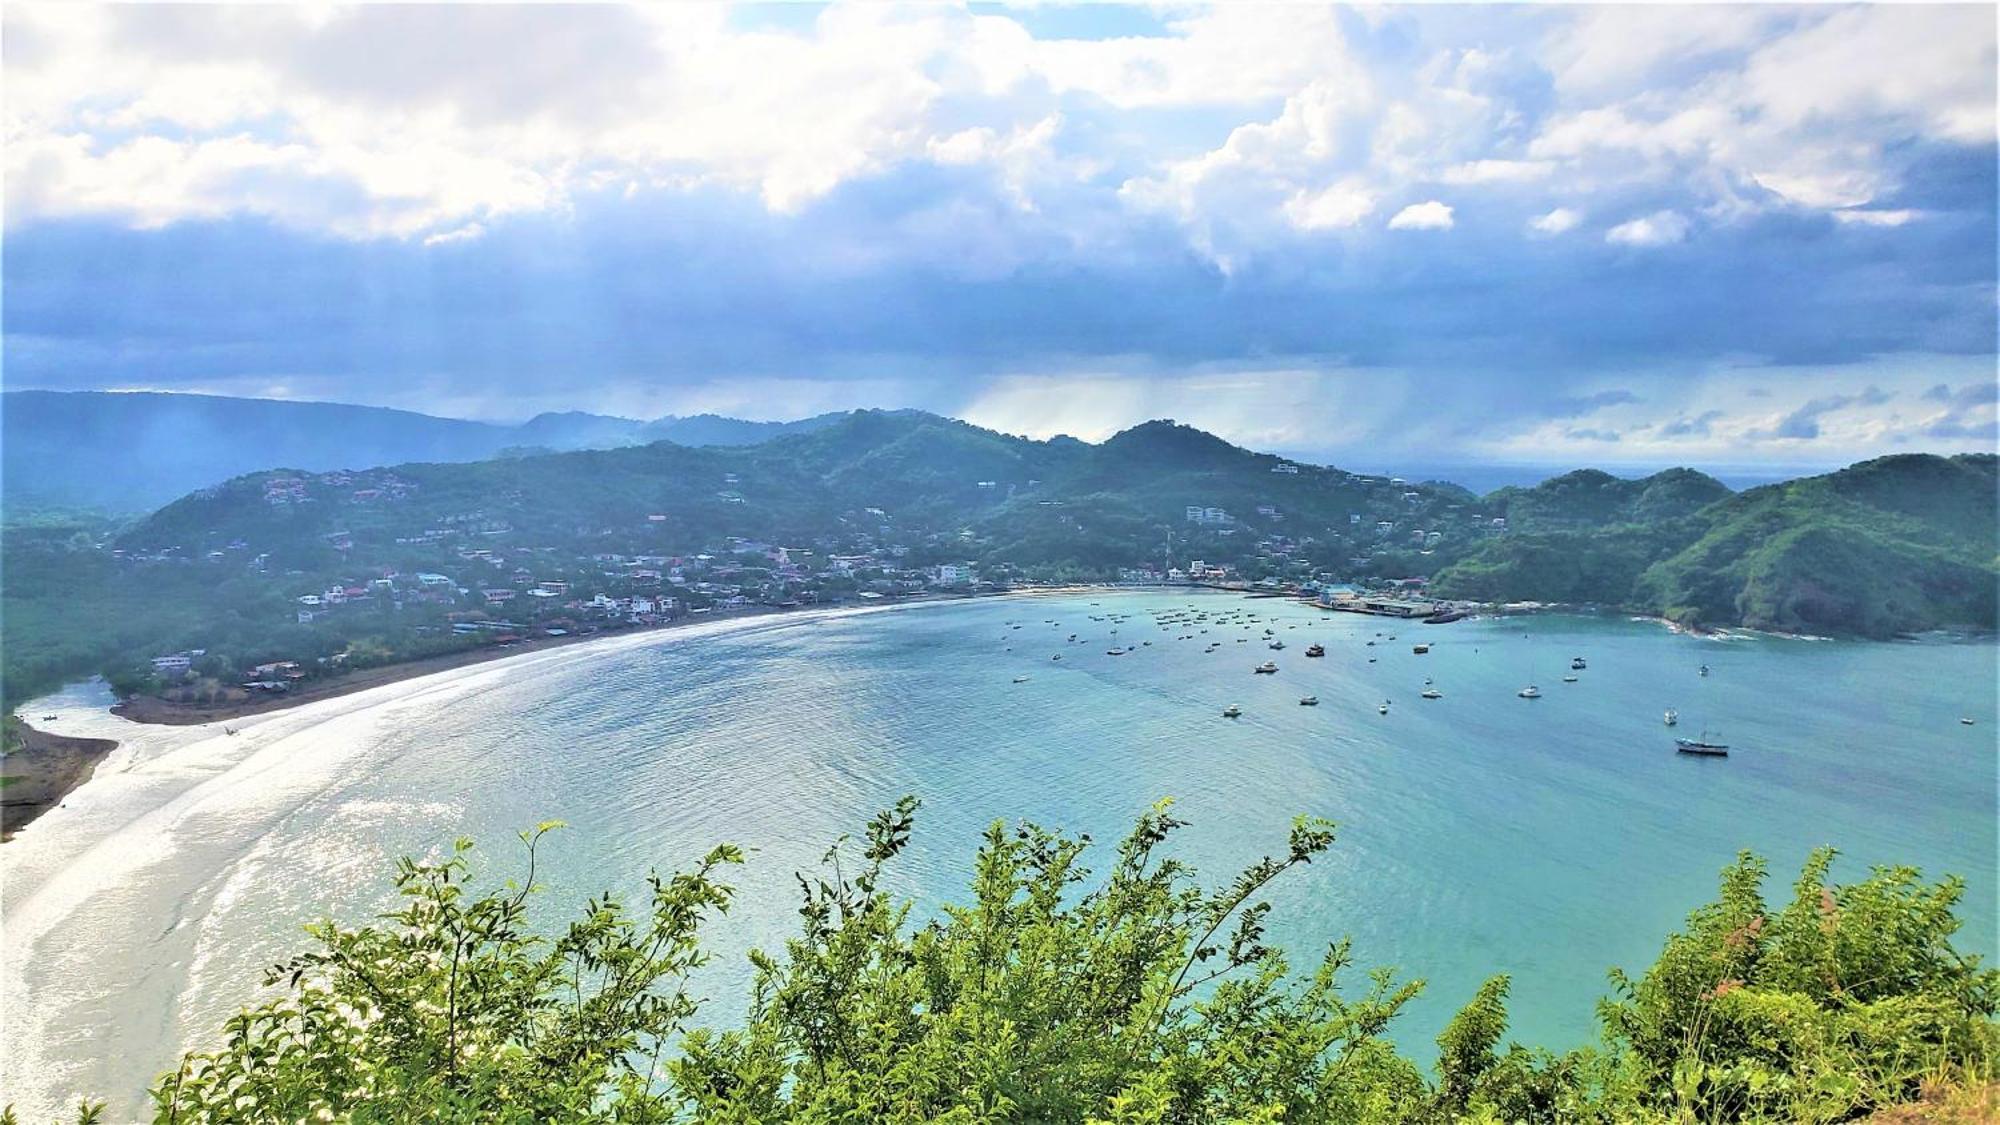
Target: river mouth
[[1480, 833]]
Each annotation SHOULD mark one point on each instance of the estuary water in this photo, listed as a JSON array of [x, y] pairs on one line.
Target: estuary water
[[1550, 839]]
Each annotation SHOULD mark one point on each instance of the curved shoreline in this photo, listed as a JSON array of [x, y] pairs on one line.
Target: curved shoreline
[[52, 757]]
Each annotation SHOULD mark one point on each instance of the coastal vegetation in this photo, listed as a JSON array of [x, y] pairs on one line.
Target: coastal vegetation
[[1894, 545], [1055, 994], [328, 571]]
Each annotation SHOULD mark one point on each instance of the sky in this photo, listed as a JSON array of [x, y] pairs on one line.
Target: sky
[[1623, 235]]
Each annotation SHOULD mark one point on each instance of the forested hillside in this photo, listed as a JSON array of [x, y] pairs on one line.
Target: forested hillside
[[386, 563], [1893, 545]]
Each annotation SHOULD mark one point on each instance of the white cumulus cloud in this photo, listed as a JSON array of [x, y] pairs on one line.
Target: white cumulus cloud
[[1430, 215], [1558, 221], [1661, 228]]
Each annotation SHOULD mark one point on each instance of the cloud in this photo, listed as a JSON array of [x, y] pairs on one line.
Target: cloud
[[449, 204], [1661, 228], [1422, 216], [1697, 426], [1498, 172], [1574, 406], [1886, 217], [1803, 424], [1587, 434], [1558, 221], [1970, 412], [1340, 205]]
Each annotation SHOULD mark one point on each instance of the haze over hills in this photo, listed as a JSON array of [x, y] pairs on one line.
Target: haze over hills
[[166, 445]]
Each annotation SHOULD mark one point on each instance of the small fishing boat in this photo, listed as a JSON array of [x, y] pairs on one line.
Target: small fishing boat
[[1530, 692], [1704, 669], [1116, 651], [51, 718], [1020, 679], [1671, 717], [1277, 645], [1420, 649], [1963, 722], [1265, 669], [1232, 711], [1578, 664], [1569, 679], [1315, 650], [1057, 656], [1701, 747], [1433, 693], [1384, 709], [1309, 701]]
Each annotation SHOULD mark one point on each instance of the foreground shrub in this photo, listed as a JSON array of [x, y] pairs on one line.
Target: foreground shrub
[[1052, 995]]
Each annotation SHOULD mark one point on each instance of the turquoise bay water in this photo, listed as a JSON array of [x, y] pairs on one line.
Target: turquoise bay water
[[1479, 833]]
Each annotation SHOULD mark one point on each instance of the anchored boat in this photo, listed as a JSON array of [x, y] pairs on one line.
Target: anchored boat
[[1701, 747]]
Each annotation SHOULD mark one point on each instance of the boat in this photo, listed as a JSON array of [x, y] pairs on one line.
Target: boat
[[1315, 650], [1701, 747], [51, 718], [1704, 669], [1020, 679], [1427, 681], [1671, 718], [1962, 722], [1057, 656], [1420, 649], [1309, 701], [1232, 711], [1530, 692], [1577, 665], [1433, 693], [1384, 709], [1569, 679], [1116, 651], [1276, 645], [1265, 669]]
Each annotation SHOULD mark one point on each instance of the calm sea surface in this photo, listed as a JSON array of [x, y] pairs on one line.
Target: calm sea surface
[[1479, 833]]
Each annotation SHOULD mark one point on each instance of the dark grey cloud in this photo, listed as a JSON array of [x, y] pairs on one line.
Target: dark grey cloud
[[1576, 406], [1803, 423], [1697, 426]]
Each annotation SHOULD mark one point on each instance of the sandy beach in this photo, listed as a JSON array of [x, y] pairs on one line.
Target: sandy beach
[[193, 796], [35, 778]]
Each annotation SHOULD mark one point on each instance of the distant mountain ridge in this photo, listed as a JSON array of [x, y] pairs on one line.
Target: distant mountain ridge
[[130, 452], [1887, 546], [1890, 546]]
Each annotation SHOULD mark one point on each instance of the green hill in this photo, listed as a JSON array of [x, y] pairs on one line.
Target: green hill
[[1885, 547], [1894, 545]]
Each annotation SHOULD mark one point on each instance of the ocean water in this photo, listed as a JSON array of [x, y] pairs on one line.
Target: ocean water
[[1479, 833]]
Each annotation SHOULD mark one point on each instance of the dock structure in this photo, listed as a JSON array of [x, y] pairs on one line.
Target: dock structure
[[1383, 606]]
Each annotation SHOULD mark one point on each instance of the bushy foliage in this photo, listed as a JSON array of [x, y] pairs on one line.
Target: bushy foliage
[[1053, 995]]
